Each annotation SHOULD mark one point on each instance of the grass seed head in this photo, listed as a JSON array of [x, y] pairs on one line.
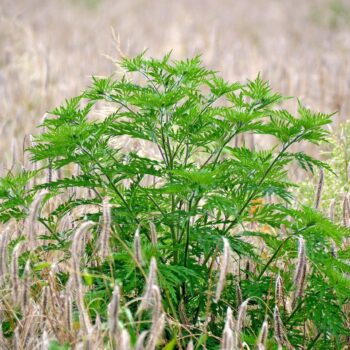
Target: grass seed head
[[34, 212], [300, 272], [319, 189], [332, 210], [279, 292], [137, 246], [4, 240], [278, 327], [106, 229], [228, 336], [242, 312], [113, 312], [140, 343], [154, 237], [147, 299], [225, 261], [263, 336]]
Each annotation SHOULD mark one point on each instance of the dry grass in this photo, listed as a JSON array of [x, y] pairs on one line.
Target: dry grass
[[48, 49]]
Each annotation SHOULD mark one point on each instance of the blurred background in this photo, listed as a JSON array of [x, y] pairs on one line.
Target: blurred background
[[50, 48]]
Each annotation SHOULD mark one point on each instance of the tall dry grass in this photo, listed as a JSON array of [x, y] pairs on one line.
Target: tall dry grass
[[48, 49]]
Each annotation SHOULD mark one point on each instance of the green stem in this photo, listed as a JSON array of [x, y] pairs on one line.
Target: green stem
[[219, 151], [253, 194], [273, 257], [311, 345], [278, 250]]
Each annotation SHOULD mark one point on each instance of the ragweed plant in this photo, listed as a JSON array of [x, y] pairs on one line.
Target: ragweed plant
[[151, 224]]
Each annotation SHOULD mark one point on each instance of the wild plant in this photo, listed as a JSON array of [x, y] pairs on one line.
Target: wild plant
[[335, 184], [173, 223]]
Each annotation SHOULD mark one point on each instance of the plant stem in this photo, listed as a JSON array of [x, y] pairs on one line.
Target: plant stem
[[311, 345], [253, 194]]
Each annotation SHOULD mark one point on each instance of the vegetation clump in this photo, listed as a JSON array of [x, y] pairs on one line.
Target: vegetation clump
[[144, 221]]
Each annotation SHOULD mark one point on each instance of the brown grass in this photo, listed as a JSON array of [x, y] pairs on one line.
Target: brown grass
[[49, 49]]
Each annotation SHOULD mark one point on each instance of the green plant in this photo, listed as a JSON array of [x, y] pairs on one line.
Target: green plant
[[174, 200], [336, 183]]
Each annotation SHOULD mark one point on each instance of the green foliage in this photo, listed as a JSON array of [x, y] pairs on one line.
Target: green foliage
[[336, 181], [55, 346], [197, 184]]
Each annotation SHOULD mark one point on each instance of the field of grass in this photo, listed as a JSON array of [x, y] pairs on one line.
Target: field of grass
[[166, 200], [49, 49]]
